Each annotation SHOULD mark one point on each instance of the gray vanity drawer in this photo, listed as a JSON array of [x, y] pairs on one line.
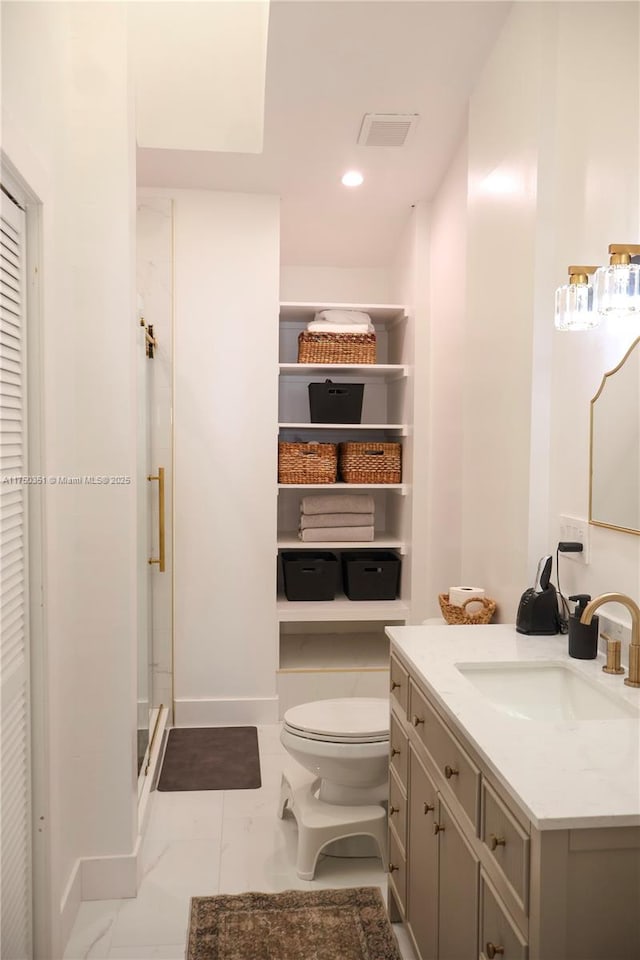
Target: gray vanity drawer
[[449, 756], [398, 809], [507, 844], [398, 752], [398, 871], [399, 684], [499, 936]]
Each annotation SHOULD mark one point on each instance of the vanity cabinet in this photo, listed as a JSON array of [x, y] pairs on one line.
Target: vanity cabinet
[[442, 873], [475, 878], [457, 895]]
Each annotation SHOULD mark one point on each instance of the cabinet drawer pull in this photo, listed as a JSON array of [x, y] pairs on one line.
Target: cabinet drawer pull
[[427, 807], [393, 867], [496, 841], [493, 951], [417, 721], [450, 772], [395, 752], [395, 685], [438, 828], [393, 810]]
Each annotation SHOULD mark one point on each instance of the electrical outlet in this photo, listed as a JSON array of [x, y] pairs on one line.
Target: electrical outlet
[[572, 528]]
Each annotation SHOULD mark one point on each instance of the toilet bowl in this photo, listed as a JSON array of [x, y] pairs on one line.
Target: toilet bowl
[[345, 743]]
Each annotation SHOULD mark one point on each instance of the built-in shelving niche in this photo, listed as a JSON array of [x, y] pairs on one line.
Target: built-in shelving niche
[[338, 648], [323, 660]]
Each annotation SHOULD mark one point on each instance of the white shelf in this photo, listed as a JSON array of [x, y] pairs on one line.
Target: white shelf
[[302, 611], [400, 428], [384, 371], [387, 314], [290, 541], [400, 488], [333, 651]]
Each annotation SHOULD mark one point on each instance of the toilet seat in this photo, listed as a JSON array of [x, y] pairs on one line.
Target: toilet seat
[[346, 720]]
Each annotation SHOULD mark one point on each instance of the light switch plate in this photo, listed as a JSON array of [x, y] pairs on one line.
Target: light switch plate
[[573, 528]]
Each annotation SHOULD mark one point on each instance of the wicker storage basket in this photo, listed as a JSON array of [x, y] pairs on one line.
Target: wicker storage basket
[[370, 462], [336, 347], [459, 615], [307, 462]]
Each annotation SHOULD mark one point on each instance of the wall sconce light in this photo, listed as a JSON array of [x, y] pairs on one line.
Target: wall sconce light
[[616, 288], [614, 293], [574, 301]]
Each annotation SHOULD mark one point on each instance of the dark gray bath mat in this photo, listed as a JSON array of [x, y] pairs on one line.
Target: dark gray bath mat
[[211, 758]]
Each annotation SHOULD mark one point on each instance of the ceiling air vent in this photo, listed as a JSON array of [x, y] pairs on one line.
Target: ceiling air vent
[[386, 129]]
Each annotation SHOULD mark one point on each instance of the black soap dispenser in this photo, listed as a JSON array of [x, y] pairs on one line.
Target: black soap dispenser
[[583, 637]]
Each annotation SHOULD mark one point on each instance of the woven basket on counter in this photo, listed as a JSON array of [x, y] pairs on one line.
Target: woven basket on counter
[[371, 462], [307, 462], [336, 347], [458, 615]]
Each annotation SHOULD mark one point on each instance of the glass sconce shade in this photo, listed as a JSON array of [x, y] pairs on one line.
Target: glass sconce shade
[[574, 307], [617, 290]]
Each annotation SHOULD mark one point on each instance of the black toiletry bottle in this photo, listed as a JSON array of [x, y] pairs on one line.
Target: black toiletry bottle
[[583, 637]]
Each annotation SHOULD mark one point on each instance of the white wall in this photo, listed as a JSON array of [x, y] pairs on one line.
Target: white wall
[[226, 409], [410, 279], [503, 141], [595, 200], [444, 450], [336, 284], [553, 165], [67, 128]]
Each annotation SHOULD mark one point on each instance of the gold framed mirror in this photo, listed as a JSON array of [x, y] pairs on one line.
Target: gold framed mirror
[[614, 481]]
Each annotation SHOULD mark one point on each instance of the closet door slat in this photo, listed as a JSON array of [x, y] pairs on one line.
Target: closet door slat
[[15, 760]]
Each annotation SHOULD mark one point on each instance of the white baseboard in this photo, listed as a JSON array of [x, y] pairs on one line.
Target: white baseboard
[[110, 878], [147, 777], [97, 878], [115, 877], [213, 713], [70, 903]]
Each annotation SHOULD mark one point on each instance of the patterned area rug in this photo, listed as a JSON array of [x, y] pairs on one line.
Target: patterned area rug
[[347, 924]]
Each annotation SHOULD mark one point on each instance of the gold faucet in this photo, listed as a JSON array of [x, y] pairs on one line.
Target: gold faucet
[[633, 680]]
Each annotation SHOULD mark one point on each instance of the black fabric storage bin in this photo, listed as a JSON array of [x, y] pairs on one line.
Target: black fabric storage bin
[[310, 575], [371, 575], [335, 402]]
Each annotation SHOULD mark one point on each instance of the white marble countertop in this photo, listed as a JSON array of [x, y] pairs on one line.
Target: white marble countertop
[[563, 774]]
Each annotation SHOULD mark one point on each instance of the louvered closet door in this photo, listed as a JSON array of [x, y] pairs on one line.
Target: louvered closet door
[[15, 780]]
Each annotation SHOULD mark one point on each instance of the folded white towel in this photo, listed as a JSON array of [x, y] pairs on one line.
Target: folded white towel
[[335, 520], [343, 316], [337, 503], [318, 326], [322, 534]]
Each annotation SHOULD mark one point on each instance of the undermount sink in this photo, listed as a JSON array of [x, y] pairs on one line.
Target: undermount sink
[[549, 691]]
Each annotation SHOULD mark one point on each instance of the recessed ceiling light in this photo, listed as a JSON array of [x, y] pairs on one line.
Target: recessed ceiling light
[[352, 178]]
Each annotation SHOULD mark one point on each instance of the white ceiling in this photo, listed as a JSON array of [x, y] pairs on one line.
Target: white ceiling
[[199, 73], [328, 64]]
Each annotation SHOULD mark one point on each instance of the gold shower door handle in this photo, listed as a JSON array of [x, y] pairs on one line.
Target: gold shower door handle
[[160, 479]]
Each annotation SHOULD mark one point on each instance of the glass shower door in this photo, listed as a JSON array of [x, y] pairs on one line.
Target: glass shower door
[[144, 540]]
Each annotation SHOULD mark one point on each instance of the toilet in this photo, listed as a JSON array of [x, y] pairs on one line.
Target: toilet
[[345, 743], [337, 785]]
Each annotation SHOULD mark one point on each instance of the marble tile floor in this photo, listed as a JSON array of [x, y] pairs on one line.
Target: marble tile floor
[[206, 842]]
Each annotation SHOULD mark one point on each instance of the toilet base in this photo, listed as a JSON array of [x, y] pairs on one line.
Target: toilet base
[[321, 823]]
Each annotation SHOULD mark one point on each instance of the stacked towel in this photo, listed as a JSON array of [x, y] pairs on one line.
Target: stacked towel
[[342, 503], [341, 321], [348, 517]]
